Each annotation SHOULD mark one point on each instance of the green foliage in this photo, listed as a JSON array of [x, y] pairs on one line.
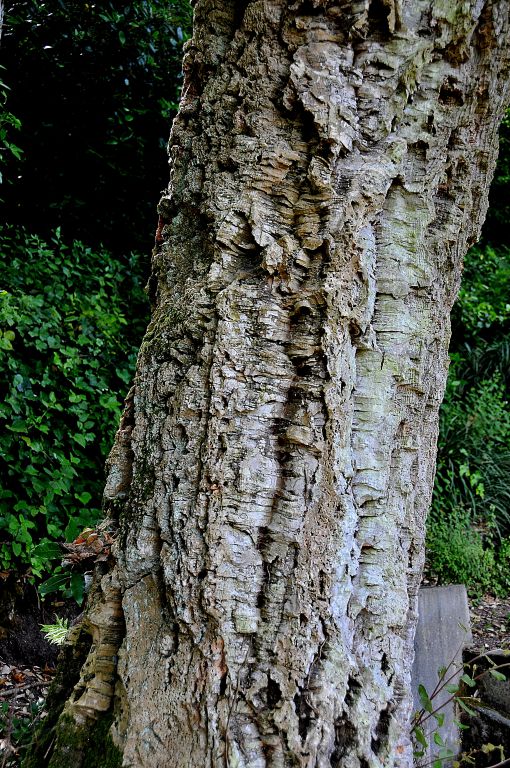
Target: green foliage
[[496, 227], [19, 731], [470, 520], [501, 583], [70, 323], [473, 469], [71, 584], [484, 299], [470, 515], [461, 682], [96, 85], [456, 552]]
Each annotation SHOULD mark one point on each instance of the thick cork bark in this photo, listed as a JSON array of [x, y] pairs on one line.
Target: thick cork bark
[[329, 169]]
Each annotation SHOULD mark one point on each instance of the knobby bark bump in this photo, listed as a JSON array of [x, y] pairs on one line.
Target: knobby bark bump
[[329, 168]]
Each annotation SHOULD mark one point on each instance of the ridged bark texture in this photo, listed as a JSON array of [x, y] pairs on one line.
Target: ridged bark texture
[[329, 168]]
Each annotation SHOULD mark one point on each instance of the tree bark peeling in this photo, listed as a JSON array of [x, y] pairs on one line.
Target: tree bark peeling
[[329, 168]]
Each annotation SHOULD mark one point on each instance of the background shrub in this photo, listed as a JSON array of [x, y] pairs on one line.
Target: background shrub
[[469, 524], [456, 552], [71, 319]]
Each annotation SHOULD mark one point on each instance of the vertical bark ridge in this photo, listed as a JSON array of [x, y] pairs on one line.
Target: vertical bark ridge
[[330, 164]]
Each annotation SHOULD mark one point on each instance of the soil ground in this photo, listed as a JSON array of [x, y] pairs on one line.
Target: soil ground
[[27, 659]]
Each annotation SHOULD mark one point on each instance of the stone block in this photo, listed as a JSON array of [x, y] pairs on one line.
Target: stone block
[[443, 631]]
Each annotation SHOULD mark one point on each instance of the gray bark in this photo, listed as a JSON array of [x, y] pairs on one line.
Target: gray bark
[[329, 168]]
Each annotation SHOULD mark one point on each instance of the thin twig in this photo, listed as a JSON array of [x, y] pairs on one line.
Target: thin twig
[[461, 756], [19, 688], [459, 665], [455, 696], [500, 765], [52, 742], [444, 682]]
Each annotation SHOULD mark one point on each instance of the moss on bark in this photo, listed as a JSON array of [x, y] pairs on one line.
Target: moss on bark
[[81, 746]]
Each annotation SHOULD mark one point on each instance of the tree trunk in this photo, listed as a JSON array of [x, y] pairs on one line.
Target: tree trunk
[[329, 168]]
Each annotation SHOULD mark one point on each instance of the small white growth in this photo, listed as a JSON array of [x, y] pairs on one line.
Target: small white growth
[[167, 645], [167, 649]]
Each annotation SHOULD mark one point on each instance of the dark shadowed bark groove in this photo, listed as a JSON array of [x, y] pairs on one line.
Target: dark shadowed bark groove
[[329, 168]]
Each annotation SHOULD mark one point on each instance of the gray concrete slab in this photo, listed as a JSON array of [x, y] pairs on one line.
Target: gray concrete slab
[[443, 631]]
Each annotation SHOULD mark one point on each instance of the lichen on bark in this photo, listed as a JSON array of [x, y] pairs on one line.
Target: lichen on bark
[[329, 168]]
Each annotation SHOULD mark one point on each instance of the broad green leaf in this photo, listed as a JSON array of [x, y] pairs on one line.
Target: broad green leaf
[[47, 550], [419, 735], [424, 698], [84, 497], [438, 739], [54, 583], [78, 587], [468, 680], [497, 675]]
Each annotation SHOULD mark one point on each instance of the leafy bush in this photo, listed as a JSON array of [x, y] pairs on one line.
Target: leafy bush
[[501, 583], [456, 552], [469, 523], [70, 323], [484, 299], [18, 730], [481, 318], [473, 468], [459, 553], [471, 501]]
